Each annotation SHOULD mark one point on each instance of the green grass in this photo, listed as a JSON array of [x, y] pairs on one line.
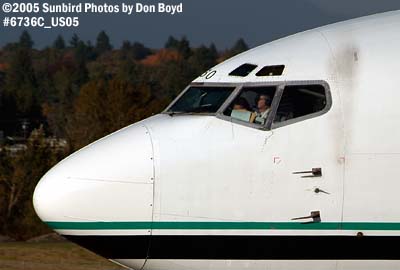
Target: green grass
[[50, 256]]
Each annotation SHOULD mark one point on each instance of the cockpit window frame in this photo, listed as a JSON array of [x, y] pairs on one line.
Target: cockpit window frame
[[233, 85], [225, 105], [328, 105], [280, 86]]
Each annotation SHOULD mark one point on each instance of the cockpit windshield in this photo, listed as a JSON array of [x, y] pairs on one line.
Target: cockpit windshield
[[201, 100]]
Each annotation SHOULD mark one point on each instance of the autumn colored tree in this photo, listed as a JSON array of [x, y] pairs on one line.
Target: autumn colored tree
[[131, 72], [202, 59], [104, 106], [162, 56]]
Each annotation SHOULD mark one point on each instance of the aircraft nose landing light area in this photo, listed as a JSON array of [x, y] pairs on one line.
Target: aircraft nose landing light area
[[266, 161]]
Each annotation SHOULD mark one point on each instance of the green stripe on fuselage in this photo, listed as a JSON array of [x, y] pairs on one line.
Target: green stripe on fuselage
[[177, 225]]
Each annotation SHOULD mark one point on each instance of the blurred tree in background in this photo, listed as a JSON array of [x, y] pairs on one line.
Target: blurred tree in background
[[79, 92], [103, 43], [59, 43], [20, 87], [25, 41], [74, 41], [105, 106], [239, 47], [19, 174], [135, 51]]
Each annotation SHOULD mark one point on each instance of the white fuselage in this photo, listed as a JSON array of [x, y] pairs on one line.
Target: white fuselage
[[197, 191]]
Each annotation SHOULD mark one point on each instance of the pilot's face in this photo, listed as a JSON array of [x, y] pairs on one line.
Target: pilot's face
[[238, 107], [262, 102]]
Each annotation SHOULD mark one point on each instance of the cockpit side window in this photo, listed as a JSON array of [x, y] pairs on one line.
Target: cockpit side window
[[201, 100], [252, 105], [300, 101]]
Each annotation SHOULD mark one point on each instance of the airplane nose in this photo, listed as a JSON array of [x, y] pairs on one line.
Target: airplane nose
[[103, 189]]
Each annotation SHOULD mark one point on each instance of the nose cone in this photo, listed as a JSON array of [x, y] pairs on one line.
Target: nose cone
[[110, 180]]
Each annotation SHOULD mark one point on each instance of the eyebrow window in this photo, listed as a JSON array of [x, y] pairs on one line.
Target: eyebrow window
[[243, 70], [271, 71]]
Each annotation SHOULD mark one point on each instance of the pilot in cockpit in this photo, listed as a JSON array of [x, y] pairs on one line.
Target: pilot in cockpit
[[241, 110], [263, 108], [241, 104]]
